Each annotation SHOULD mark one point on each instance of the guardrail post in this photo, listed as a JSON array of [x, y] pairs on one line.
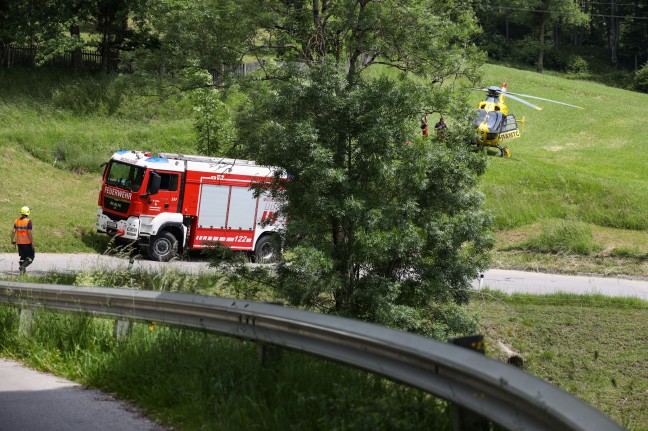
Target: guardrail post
[[269, 354], [121, 329], [26, 320], [464, 419]]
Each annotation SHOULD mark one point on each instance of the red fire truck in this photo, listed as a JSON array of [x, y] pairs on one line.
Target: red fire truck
[[176, 202]]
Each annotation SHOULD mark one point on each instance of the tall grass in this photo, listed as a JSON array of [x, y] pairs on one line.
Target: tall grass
[[76, 122], [192, 380], [562, 236]]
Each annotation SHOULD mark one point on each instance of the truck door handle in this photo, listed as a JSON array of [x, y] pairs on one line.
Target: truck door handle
[[166, 206]]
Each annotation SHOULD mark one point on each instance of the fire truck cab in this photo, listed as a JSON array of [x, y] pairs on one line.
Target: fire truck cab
[[177, 202]]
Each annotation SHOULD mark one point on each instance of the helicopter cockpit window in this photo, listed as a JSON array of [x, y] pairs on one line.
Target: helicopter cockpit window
[[478, 117], [494, 121]]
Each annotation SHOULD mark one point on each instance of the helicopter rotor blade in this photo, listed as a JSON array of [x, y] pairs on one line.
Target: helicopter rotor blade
[[537, 108], [542, 98]]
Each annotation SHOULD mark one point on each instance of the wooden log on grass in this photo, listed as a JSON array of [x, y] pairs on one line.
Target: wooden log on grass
[[512, 357]]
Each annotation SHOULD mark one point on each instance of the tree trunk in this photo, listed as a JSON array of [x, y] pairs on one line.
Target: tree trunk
[[344, 263], [318, 24], [614, 34], [77, 60], [540, 62]]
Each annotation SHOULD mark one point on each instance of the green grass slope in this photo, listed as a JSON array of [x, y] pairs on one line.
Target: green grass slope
[[590, 346], [56, 131], [63, 204], [579, 167]]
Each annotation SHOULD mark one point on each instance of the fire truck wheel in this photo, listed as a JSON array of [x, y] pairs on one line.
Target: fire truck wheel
[[163, 247], [266, 250]]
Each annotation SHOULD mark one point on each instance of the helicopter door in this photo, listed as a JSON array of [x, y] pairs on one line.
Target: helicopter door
[[494, 121], [509, 124]]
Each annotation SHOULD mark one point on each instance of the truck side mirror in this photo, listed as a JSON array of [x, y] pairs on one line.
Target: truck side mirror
[[154, 183]]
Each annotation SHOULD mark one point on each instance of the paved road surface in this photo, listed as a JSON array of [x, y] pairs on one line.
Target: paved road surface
[[504, 280], [540, 283], [47, 262], [35, 401]]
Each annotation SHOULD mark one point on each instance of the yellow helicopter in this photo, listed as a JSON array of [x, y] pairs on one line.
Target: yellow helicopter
[[493, 122]]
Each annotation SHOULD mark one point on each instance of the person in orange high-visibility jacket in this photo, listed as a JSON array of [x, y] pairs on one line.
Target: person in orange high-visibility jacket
[[22, 236]]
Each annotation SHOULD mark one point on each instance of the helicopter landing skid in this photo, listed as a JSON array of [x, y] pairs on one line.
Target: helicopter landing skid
[[504, 151]]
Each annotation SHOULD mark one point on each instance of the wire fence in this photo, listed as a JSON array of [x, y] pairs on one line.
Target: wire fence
[[15, 56]]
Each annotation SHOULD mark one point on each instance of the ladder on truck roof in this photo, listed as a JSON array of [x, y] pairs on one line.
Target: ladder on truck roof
[[207, 159]]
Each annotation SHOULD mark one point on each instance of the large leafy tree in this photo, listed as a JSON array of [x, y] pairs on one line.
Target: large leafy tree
[[381, 228], [382, 225]]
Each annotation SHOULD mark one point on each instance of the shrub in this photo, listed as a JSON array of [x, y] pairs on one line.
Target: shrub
[[577, 65], [641, 79], [568, 237]]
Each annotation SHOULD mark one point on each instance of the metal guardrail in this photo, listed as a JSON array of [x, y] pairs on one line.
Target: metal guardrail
[[504, 394]]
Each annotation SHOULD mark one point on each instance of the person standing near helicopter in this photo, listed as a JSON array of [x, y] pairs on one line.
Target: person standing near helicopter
[[424, 124], [440, 126], [21, 235]]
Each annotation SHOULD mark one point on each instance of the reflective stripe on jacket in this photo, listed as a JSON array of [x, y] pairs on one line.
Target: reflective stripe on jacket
[[22, 226]]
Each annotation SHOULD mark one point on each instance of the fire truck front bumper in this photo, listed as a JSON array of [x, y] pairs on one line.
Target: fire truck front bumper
[[127, 229]]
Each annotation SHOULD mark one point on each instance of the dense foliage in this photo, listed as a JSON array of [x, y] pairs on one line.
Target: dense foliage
[[380, 228], [383, 225], [641, 78], [545, 34]]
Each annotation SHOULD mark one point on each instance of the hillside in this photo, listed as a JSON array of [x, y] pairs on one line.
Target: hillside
[[572, 197], [576, 178], [63, 204]]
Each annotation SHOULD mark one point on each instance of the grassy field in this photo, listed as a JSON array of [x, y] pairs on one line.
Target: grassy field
[[591, 346], [582, 168], [56, 131], [63, 204]]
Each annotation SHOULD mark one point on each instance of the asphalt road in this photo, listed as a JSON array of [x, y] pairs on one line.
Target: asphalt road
[[30, 400], [35, 401], [62, 262], [507, 281]]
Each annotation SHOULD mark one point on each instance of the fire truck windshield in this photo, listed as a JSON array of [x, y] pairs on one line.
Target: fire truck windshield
[[125, 176]]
